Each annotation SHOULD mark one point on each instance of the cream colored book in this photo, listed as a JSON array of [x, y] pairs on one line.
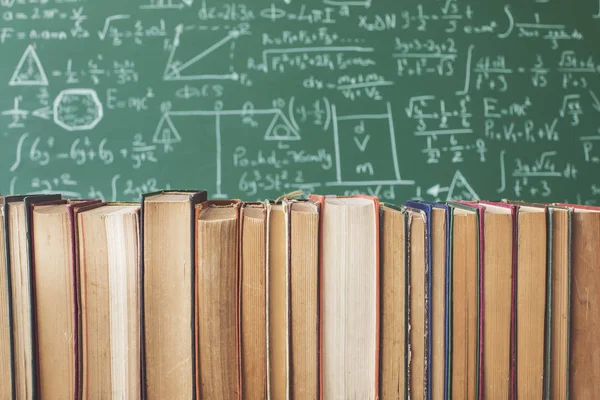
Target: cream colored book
[[349, 297], [108, 257]]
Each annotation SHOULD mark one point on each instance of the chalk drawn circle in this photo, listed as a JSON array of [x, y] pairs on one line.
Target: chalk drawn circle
[[273, 13]]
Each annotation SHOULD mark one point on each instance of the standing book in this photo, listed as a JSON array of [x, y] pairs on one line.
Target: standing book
[[394, 302], [217, 319], [530, 299], [108, 263], [56, 292], [349, 313], [253, 300], [278, 300], [440, 281], [498, 305], [168, 276], [584, 369], [5, 359], [17, 234], [303, 226], [558, 307], [464, 300], [419, 301]]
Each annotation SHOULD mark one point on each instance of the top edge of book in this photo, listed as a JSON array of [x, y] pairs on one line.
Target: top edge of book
[[173, 196]]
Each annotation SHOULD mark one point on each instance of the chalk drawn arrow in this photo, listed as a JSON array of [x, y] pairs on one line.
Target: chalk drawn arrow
[[362, 145], [44, 113], [436, 190]]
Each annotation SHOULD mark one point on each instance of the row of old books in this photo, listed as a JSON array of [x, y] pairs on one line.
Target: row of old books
[[323, 298]]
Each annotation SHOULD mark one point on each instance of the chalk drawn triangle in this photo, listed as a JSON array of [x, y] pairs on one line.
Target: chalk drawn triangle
[[29, 71], [281, 129], [460, 189], [166, 133]]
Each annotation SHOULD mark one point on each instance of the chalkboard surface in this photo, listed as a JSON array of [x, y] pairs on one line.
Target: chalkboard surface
[[429, 99]]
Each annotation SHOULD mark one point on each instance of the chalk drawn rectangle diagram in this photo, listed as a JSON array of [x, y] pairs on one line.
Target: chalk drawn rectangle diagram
[[358, 142]]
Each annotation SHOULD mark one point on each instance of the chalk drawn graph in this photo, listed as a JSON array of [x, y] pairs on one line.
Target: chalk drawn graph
[[175, 70]]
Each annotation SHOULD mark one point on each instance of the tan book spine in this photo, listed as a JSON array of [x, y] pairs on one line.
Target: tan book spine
[[585, 298], [393, 304], [217, 300], [561, 290], [304, 296], [464, 305], [5, 356], [253, 290], [497, 304], [418, 333], [531, 303], [277, 302]]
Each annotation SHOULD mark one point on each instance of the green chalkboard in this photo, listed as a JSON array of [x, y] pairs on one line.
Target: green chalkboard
[[429, 99]]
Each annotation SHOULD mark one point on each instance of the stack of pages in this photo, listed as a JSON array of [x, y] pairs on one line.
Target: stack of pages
[[321, 298]]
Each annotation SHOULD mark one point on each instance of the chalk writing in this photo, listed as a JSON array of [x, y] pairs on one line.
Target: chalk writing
[[424, 99]]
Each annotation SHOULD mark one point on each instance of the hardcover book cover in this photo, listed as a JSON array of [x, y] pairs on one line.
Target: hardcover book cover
[[323, 200], [479, 212], [27, 368], [194, 197], [426, 210]]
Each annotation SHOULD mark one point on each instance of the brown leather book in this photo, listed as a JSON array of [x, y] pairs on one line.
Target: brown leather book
[[217, 320], [108, 265], [253, 298], [168, 294]]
